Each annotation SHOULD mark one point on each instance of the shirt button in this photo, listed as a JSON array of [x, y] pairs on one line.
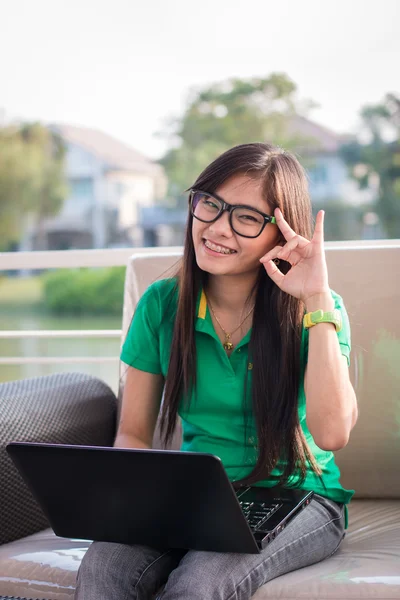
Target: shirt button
[[250, 366], [251, 440], [239, 350]]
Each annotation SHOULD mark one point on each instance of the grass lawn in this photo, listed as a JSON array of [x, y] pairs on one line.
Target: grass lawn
[[20, 291]]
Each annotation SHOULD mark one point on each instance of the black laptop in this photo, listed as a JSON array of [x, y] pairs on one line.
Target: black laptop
[[164, 499]]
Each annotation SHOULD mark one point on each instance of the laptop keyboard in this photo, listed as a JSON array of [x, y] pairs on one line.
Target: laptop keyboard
[[257, 513]]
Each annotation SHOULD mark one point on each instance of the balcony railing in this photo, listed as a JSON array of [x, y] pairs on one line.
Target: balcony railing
[[28, 261]]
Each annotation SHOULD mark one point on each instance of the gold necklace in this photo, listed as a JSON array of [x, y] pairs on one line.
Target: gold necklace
[[228, 346]]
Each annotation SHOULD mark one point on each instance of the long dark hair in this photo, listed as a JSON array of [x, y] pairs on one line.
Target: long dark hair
[[274, 347]]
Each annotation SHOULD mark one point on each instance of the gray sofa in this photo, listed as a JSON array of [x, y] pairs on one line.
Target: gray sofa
[[79, 409]]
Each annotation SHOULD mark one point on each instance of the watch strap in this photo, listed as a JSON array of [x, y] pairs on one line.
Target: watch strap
[[319, 316]]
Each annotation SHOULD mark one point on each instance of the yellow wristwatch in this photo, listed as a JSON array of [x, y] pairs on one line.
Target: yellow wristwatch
[[319, 316]]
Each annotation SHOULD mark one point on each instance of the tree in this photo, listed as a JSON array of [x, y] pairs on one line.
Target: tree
[[32, 180], [224, 114], [379, 158]]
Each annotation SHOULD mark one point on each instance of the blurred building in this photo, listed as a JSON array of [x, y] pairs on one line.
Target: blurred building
[[329, 178], [110, 184], [115, 192], [330, 184]]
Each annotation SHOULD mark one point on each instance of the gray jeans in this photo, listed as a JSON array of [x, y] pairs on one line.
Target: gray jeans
[[120, 572]]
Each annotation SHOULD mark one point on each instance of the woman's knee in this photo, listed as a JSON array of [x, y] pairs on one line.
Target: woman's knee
[[101, 562], [122, 571], [210, 575]]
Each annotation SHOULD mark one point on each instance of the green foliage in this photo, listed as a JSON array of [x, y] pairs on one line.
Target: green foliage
[[225, 114], [31, 178], [85, 291], [380, 158]]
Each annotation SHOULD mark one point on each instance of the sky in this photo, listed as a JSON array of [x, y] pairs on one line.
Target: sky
[[126, 66]]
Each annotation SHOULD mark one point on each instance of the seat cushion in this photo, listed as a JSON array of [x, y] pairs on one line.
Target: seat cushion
[[366, 566], [41, 565]]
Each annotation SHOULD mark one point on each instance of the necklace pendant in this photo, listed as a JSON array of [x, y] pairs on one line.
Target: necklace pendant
[[228, 344]]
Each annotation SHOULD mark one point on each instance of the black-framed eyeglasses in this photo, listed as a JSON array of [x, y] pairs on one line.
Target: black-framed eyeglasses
[[244, 220]]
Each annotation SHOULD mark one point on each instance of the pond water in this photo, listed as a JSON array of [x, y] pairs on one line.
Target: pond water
[[47, 347]]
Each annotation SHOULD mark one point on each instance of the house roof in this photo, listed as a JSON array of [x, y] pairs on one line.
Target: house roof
[[318, 138], [314, 138], [116, 154]]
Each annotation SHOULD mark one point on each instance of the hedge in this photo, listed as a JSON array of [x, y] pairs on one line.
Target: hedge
[[84, 291]]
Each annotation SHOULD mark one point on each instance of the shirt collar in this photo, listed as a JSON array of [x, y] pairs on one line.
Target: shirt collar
[[202, 309], [205, 324]]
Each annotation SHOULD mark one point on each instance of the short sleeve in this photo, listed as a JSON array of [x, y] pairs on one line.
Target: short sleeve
[[141, 348], [344, 336]]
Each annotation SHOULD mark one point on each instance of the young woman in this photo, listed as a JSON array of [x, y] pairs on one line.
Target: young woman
[[252, 380]]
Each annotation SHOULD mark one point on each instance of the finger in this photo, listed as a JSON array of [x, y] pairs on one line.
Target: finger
[[274, 273], [290, 246], [319, 228], [283, 225], [293, 257], [271, 254]]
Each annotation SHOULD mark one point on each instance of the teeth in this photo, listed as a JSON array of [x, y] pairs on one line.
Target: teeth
[[218, 248]]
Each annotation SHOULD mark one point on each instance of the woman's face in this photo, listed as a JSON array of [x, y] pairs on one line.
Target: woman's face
[[239, 189]]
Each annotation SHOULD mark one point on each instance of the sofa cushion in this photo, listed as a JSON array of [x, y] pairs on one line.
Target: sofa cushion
[[41, 565], [366, 566], [62, 408]]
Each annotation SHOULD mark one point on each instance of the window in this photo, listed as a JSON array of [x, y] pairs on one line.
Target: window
[[82, 187]]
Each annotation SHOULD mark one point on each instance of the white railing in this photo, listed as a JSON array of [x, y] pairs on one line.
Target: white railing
[[27, 261], [59, 259], [56, 360], [61, 333], [69, 259], [70, 333], [66, 259]]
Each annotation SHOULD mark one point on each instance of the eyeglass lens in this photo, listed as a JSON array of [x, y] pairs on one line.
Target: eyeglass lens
[[245, 221]]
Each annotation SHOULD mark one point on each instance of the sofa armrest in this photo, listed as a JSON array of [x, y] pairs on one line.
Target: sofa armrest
[[65, 408]]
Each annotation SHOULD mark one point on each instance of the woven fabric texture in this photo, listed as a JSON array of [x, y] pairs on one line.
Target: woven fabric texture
[[65, 408], [14, 598]]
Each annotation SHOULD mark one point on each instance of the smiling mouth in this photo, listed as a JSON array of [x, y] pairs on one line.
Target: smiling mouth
[[218, 248]]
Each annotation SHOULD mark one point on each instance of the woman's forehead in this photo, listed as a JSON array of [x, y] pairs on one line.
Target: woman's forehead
[[242, 189]]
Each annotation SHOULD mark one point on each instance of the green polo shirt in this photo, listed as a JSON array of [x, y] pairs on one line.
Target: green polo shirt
[[214, 421]]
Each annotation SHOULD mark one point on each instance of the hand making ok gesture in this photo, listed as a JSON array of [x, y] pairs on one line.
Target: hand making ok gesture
[[309, 275]]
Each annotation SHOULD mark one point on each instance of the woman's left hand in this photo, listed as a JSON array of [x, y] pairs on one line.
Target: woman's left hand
[[309, 275]]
